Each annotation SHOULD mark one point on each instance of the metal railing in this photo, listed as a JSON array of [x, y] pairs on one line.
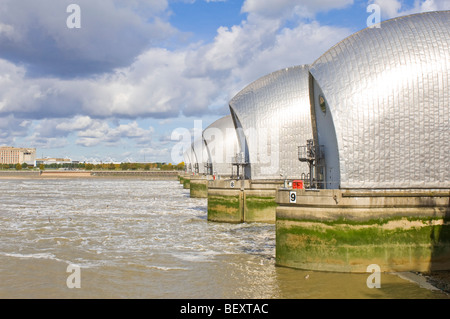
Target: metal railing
[[209, 168], [238, 159], [310, 152], [313, 155]]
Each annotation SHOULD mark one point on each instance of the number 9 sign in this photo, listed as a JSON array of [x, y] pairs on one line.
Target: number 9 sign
[[292, 197]]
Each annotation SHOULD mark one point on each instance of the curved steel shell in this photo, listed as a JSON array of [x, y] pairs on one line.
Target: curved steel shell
[[388, 95], [221, 145], [187, 160], [272, 117], [200, 156]]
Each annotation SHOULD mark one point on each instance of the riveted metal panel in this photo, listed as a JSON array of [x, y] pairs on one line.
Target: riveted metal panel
[[274, 112], [388, 93]]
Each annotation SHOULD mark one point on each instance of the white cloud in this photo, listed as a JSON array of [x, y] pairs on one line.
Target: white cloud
[[76, 124], [7, 31], [112, 34], [83, 130], [46, 143], [243, 53], [285, 8], [154, 153], [100, 132], [300, 45], [160, 83], [12, 128], [395, 8], [389, 8], [197, 80]]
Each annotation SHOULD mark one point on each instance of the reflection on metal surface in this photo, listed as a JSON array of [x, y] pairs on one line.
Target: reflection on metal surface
[[387, 92], [189, 160], [272, 117], [221, 144], [200, 156]]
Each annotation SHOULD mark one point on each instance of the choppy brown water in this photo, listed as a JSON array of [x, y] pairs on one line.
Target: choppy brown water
[[149, 239]]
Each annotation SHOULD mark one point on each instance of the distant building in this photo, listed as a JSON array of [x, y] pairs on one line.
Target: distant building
[[49, 161], [14, 155]]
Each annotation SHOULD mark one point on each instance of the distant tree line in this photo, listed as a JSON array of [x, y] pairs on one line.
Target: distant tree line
[[104, 166], [15, 166]]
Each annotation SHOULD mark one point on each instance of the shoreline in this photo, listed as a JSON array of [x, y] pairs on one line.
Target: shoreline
[[438, 279], [154, 175], [435, 281]]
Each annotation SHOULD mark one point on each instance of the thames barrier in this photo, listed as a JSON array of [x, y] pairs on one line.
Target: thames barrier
[[348, 156]]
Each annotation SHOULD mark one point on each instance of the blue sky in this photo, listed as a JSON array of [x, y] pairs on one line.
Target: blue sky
[[119, 86]]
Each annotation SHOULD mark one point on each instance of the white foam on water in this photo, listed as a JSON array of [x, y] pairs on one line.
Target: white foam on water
[[148, 227], [48, 256], [196, 256]]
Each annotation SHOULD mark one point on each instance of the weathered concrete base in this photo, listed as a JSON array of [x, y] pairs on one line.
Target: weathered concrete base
[[199, 186], [185, 180], [225, 205], [346, 231], [237, 201]]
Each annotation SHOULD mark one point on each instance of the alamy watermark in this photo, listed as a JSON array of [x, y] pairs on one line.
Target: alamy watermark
[[374, 280], [74, 19], [374, 20], [74, 279]]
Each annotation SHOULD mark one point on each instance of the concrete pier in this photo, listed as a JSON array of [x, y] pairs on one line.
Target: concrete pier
[[346, 231], [237, 201], [185, 180], [198, 185]]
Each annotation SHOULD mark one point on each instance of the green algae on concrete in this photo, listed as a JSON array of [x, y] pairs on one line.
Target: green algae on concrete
[[238, 201], [186, 182], [225, 200], [351, 235], [198, 188], [223, 208], [260, 208], [397, 245]]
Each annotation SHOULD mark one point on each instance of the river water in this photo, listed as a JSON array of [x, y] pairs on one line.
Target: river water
[[127, 238]]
